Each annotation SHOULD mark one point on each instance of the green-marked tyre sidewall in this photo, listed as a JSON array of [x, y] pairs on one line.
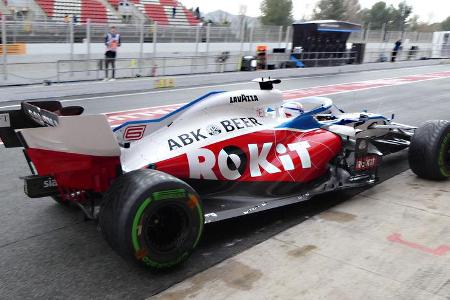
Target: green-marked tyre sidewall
[[427, 151], [136, 243], [132, 199], [442, 153]]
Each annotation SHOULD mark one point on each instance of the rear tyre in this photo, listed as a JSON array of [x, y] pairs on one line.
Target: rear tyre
[[152, 218], [429, 152]]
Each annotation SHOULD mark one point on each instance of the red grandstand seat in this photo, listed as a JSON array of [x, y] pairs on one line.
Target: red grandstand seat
[[156, 13], [168, 2], [93, 10], [47, 6], [190, 17]]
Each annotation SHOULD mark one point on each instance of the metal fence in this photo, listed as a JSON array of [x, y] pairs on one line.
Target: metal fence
[[54, 32], [132, 67], [51, 32], [150, 63], [382, 36], [94, 69]]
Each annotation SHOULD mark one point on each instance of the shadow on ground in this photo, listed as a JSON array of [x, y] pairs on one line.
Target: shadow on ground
[[71, 260]]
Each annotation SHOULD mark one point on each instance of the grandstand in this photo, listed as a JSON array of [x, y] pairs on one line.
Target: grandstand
[[107, 11], [3, 9], [83, 9], [161, 11]]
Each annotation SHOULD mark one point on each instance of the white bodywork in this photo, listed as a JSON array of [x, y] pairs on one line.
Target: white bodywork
[[89, 135], [204, 121], [161, 139]]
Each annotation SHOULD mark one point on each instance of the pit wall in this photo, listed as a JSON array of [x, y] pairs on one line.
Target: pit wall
[[54, 52]]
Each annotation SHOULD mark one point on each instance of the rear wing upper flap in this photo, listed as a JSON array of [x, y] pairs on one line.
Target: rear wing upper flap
[[32, 115], [43, 113]]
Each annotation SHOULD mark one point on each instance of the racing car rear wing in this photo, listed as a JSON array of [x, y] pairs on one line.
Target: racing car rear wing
[[32, 115], [66, 151]]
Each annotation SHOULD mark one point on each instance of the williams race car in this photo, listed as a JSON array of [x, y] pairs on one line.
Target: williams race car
[[153, 184]]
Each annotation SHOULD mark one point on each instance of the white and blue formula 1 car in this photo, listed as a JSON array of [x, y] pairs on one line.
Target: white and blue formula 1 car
[[153, 184]]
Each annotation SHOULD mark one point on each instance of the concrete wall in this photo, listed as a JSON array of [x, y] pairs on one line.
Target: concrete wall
[[52, 52], [30, 68], [373, 50]]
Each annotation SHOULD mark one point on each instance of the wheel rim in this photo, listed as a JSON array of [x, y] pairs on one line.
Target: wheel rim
[[166, 228]]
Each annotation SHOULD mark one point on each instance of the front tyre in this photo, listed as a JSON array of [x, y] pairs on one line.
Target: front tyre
[[429, 152], [152, 218]]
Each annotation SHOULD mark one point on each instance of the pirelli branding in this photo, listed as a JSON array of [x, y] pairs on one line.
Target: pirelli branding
[[211, 130], [243, 98]]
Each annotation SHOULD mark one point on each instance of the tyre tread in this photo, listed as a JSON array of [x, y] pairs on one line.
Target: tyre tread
[[424, 149]]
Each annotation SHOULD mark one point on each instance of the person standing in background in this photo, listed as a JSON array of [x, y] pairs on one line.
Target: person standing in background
[[112, 42], [397, 47], [197, 13], [174, 11]]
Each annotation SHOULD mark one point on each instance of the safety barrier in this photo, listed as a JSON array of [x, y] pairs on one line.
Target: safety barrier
[[14, 49], [55, 32], [132, 67]]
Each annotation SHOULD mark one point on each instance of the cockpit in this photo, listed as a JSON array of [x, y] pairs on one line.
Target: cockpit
[[320, 108]]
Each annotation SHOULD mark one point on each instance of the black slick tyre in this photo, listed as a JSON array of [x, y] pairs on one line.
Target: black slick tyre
[[429, 152], [152, 218]]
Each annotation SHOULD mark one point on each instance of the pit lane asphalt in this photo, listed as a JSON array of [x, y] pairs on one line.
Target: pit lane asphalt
[[48, 251]]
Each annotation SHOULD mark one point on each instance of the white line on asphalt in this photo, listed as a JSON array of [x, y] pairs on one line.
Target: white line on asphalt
[[223, 74], [10, 106], [331, 93], [133, 109], [73, 84], [231, 84], [369, 80]]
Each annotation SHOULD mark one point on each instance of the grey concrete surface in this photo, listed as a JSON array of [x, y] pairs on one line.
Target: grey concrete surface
[[187, 81], [345, 252], [49, 252]]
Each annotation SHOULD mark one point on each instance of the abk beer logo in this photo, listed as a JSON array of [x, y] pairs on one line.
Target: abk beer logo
[[211, 130]]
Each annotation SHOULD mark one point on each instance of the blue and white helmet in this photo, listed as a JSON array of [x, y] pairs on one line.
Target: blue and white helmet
[[291, 109]]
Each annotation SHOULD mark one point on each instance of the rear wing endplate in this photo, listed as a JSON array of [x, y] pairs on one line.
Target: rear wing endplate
[[32, 115]]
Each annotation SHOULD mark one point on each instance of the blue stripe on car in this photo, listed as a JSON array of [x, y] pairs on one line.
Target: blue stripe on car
[[306, 121], [169, 114]]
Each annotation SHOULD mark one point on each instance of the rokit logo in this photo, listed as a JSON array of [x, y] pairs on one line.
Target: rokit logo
[[243, 98], [211, 130], [232, 161]]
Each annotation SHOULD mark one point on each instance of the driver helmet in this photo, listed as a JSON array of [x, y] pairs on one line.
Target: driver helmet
[[292, 109]]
